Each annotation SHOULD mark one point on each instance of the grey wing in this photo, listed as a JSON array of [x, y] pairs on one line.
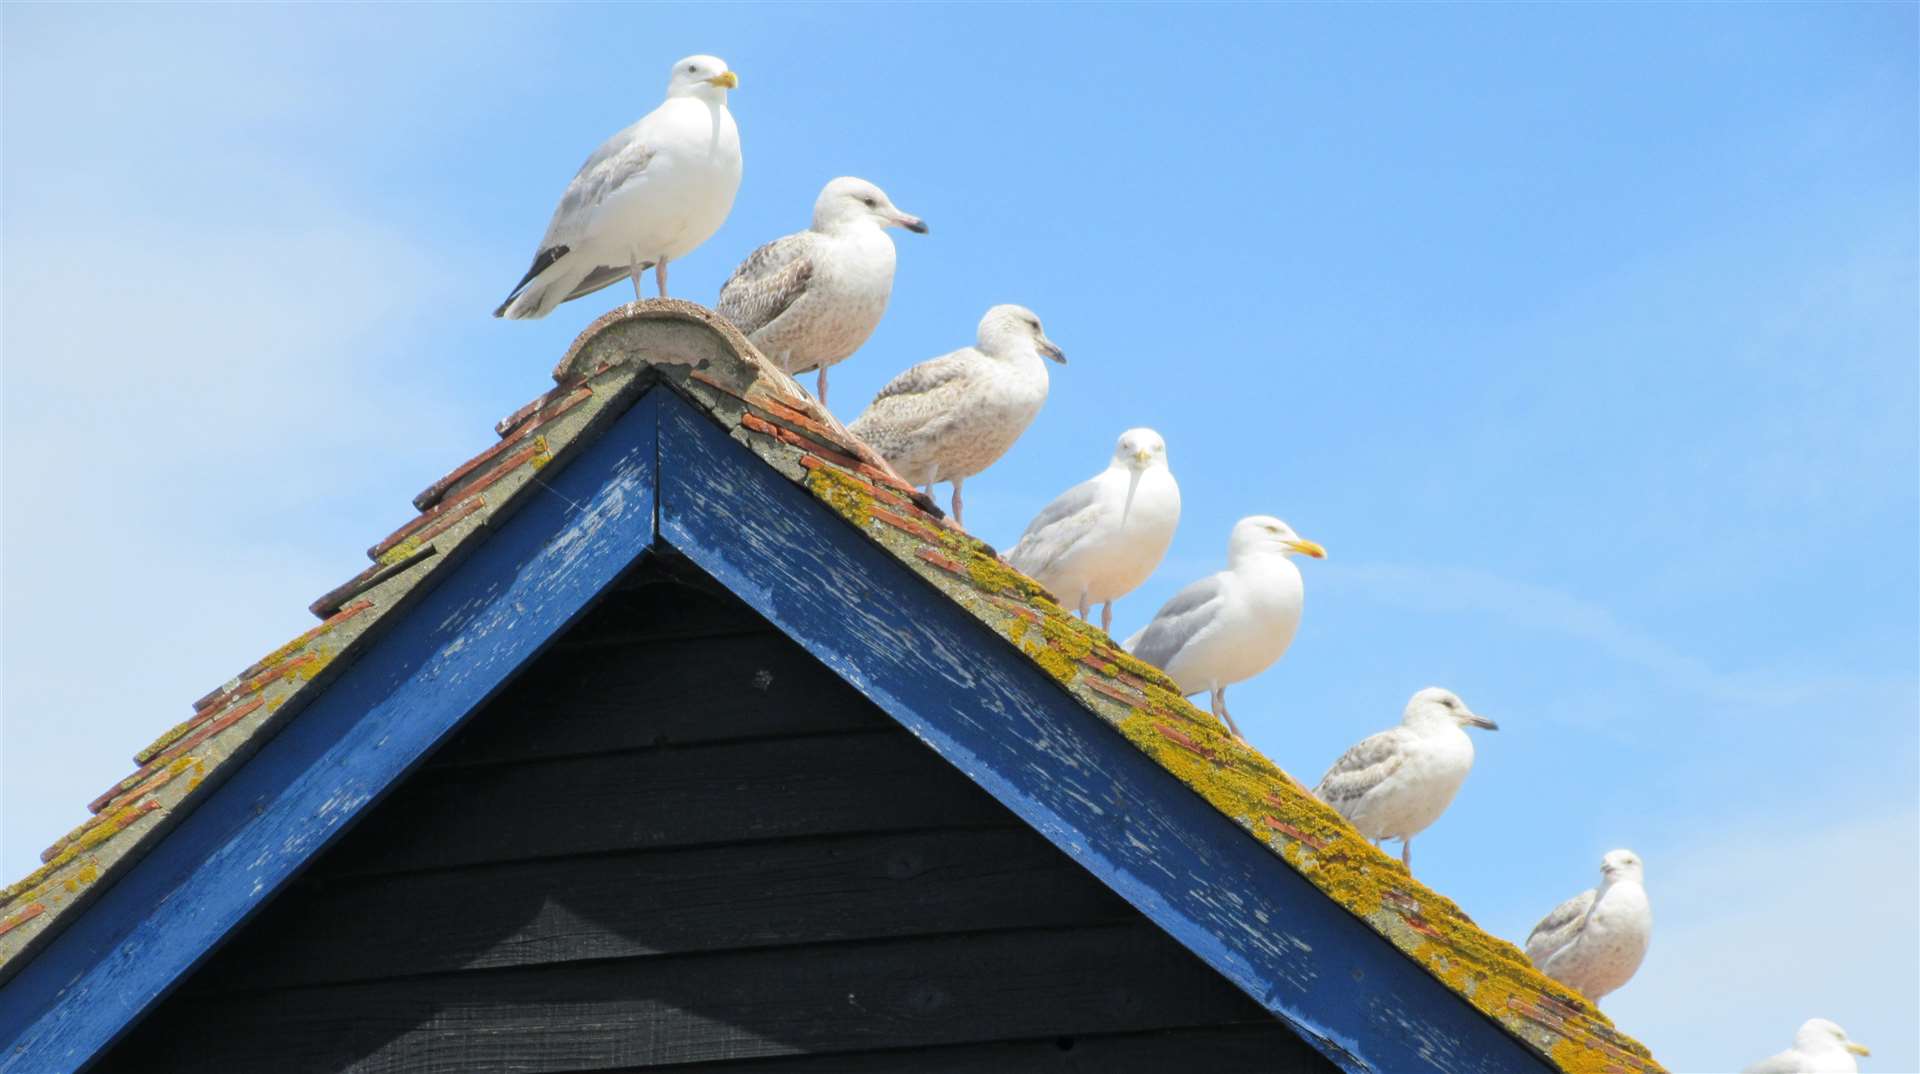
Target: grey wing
[[1056, 529], [618, 161], [1559, 928], [603, 276], [767, 283], [928, 376], [1361, 769], [1179, 621]]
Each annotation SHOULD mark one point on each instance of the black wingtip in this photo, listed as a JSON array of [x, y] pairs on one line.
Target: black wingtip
[[542, 261]]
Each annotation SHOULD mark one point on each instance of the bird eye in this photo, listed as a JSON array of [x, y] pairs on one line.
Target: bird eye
[[870, 202]]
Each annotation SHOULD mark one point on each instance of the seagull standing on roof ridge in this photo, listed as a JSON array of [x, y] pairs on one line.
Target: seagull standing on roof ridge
[[810, 299], [648, 195], [1819, 1048], [951, 417], [1593, 942], [1395, 784], [1100, 539], [1232, 625]]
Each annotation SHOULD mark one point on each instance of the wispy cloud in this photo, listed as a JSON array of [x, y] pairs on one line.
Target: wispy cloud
[[1532, 607]]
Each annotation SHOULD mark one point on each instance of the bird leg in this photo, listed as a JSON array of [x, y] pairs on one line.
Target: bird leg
[[956, 503], [1106, 617], [820, 391], [1220, 711], [1406, 853], [633, 266], [660, 274]]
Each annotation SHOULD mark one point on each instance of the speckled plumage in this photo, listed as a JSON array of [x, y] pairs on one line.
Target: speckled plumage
[[1395, 784], [951, 417], [810, 299], [1594, 942]]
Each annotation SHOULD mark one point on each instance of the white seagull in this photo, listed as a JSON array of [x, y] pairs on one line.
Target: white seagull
[[1395, 784], [1101, 538], [1819, 1048], [1593, 942], [810, 299], [951, 417], [648, 195], [1232, 625]]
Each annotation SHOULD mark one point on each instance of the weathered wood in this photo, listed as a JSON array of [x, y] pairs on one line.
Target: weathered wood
[[1238, 1049], [436, 663], [846, 997], [672, 902], [676, 691], [996, 716], [875, 781]]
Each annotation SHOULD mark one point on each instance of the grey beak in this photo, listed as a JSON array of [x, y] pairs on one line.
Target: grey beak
[[1052, 350], [914, 224], [1481, 721]]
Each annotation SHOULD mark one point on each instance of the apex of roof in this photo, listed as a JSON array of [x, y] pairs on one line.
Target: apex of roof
[[701, 356]]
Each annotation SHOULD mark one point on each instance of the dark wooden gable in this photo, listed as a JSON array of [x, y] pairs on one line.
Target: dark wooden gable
[[679, 841]]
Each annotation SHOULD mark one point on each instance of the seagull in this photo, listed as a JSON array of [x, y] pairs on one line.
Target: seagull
[[1232, 625], [951, 417], [1593, 942], [1101, 538], [810, 299], [650, 194], [1819, 1048], [1395, 784]]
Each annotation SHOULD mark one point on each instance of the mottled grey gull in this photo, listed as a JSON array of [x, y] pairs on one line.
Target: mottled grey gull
[[951, 417], [1593, 942], [810, 299], [1395, 784]]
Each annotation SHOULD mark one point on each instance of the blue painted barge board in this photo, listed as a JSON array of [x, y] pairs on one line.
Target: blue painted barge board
[[985, 708], [452, 650]]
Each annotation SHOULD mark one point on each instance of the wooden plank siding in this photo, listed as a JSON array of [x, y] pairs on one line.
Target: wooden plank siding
[[677, 842]]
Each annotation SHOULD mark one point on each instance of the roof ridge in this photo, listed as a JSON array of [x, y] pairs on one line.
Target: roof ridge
[[702, 357]]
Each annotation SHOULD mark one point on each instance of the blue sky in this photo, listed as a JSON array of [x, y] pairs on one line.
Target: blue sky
[[1583, 337]]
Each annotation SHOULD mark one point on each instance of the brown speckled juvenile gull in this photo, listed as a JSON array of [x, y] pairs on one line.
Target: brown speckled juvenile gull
[[1593, 942], [1395, 784], [810, 299], [951, 417]]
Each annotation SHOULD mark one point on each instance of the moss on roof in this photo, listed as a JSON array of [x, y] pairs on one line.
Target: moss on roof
[[707, 360]]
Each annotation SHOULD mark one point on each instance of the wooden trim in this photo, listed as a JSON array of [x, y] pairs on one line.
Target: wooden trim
[[235, 850], [998, 718]]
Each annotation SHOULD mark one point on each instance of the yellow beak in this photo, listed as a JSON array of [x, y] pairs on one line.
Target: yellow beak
[[725, 80], [1308, 548], [1857, 1048], [1143, 456]]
